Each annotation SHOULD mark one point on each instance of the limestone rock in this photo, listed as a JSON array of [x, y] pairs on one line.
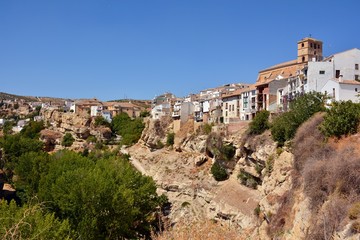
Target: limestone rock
[[200, 160]]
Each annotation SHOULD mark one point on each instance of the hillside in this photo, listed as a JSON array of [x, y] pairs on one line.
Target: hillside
[[296, 190]]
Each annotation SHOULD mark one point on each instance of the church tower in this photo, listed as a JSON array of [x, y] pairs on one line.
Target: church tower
[[309, 49]]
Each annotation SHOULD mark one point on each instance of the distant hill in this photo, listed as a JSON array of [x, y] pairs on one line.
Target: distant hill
[[8, 96], [140, 103]]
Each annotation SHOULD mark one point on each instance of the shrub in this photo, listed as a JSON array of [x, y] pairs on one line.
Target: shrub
[[219, 172], [144, 114], [257, 210], [228, 151], [91, 139], [68, 140], [101, 121], [129, 129], [354, 211], [170, 139], [285, 126], [307, 145], [355, 227], [207, 128], [248, 180], [260, 122], [159, 144], [342, 119], [269, 164]]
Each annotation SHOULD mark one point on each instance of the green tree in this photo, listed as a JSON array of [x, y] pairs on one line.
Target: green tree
[[341, 119], [284, 127], [129, 129], [7, 127], [32, 129], [170, 137], [144, 114], [31, 222], [101, 121], [16, 145], [30, 167], [260, 122], [68, 140], [102, 199], [218, 172]]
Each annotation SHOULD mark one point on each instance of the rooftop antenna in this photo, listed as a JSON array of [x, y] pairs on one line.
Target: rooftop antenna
[[309, 34]]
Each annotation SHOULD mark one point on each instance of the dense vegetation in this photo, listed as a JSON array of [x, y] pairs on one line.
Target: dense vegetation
[[283, 127], [129, 129], [341, 119], [66, 195], [260, 122]]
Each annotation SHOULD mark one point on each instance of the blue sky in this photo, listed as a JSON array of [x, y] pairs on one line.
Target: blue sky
[[112, 49]]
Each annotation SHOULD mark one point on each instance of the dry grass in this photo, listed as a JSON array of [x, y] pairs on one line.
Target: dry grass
[[201, 230], [308, 141]]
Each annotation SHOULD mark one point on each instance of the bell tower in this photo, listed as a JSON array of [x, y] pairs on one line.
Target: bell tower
[[309, 49]]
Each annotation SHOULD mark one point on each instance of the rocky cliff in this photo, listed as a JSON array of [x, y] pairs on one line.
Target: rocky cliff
[[265, 195], [80, 127]]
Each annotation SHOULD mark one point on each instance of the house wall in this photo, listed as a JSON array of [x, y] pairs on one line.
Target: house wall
[[345, 62], [315, 80], [349, 92], [187, 109], [331, 87], [231, 108]]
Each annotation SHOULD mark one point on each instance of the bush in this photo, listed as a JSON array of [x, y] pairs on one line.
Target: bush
[[129, 129], [218, 172], [228, 151], [342, 119], [354, 211], [248, 180], [260, 122], [101, 121], [170, 139], [285, 126], [207, 128], [68, 140]]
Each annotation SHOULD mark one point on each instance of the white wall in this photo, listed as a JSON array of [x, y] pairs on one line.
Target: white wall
[[315, 80], [345, 62]]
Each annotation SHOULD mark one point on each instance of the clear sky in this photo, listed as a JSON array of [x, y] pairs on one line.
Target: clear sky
[[112, 49]]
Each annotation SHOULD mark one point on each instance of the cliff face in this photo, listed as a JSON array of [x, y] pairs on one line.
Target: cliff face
[[80, 127], [266, 195]]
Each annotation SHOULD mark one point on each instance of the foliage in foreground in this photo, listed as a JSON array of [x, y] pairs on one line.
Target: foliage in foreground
[[31, 222], [102, 199], [99, 196]]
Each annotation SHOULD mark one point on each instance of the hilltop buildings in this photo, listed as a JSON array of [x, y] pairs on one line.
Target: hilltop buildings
[[336, 76]]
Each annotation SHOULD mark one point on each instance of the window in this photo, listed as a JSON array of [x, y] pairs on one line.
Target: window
[[303, 59], [302, 45], [226, 105], [321, 72], [355, 89], [337, 73], [356, 66], [311, 45], [357, 77]]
